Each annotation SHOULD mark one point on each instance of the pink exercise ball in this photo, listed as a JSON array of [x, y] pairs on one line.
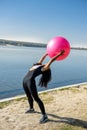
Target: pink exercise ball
[[55, 46]]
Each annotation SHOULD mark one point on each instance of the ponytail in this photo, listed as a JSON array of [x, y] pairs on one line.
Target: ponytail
[[45, 78]]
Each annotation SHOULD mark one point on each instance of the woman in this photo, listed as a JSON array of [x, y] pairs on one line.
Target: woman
[[29, 84]]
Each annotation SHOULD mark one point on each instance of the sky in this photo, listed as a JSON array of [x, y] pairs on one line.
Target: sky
[[41, 20]]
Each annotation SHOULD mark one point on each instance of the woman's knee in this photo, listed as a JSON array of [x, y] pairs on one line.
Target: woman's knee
[[36, 98]]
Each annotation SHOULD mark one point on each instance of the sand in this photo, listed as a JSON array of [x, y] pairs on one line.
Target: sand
[[66, 109]]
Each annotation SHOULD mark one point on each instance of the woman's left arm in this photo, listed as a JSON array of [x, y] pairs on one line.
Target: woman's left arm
[[42, 58]]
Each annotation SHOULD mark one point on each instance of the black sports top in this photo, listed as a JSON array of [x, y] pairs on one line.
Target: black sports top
[[33, 73]]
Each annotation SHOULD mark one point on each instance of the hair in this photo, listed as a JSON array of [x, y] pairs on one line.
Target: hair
[[45, 78]]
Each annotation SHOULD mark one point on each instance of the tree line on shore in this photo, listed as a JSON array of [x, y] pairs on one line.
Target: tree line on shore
[[21, 43]]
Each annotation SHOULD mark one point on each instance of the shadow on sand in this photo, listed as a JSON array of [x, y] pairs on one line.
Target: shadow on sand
[[68, 120]]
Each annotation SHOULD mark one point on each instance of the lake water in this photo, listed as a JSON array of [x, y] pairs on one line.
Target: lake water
[[16, 61]]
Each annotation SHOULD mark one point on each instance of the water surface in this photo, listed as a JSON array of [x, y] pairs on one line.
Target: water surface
[[16, 61]]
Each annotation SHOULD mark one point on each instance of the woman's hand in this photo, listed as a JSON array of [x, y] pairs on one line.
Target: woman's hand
[[45, 54], [62, 52]]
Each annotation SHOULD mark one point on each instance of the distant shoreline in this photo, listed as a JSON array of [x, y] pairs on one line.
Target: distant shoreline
[[21, 43], [30, 44]]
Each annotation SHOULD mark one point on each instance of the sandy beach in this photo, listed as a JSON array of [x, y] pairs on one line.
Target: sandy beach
[[66, 109]]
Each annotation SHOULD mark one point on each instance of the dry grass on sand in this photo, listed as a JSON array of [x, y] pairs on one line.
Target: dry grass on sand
[[66, 109]]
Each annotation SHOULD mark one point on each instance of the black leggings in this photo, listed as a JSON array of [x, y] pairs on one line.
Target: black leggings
[[31, 92]]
